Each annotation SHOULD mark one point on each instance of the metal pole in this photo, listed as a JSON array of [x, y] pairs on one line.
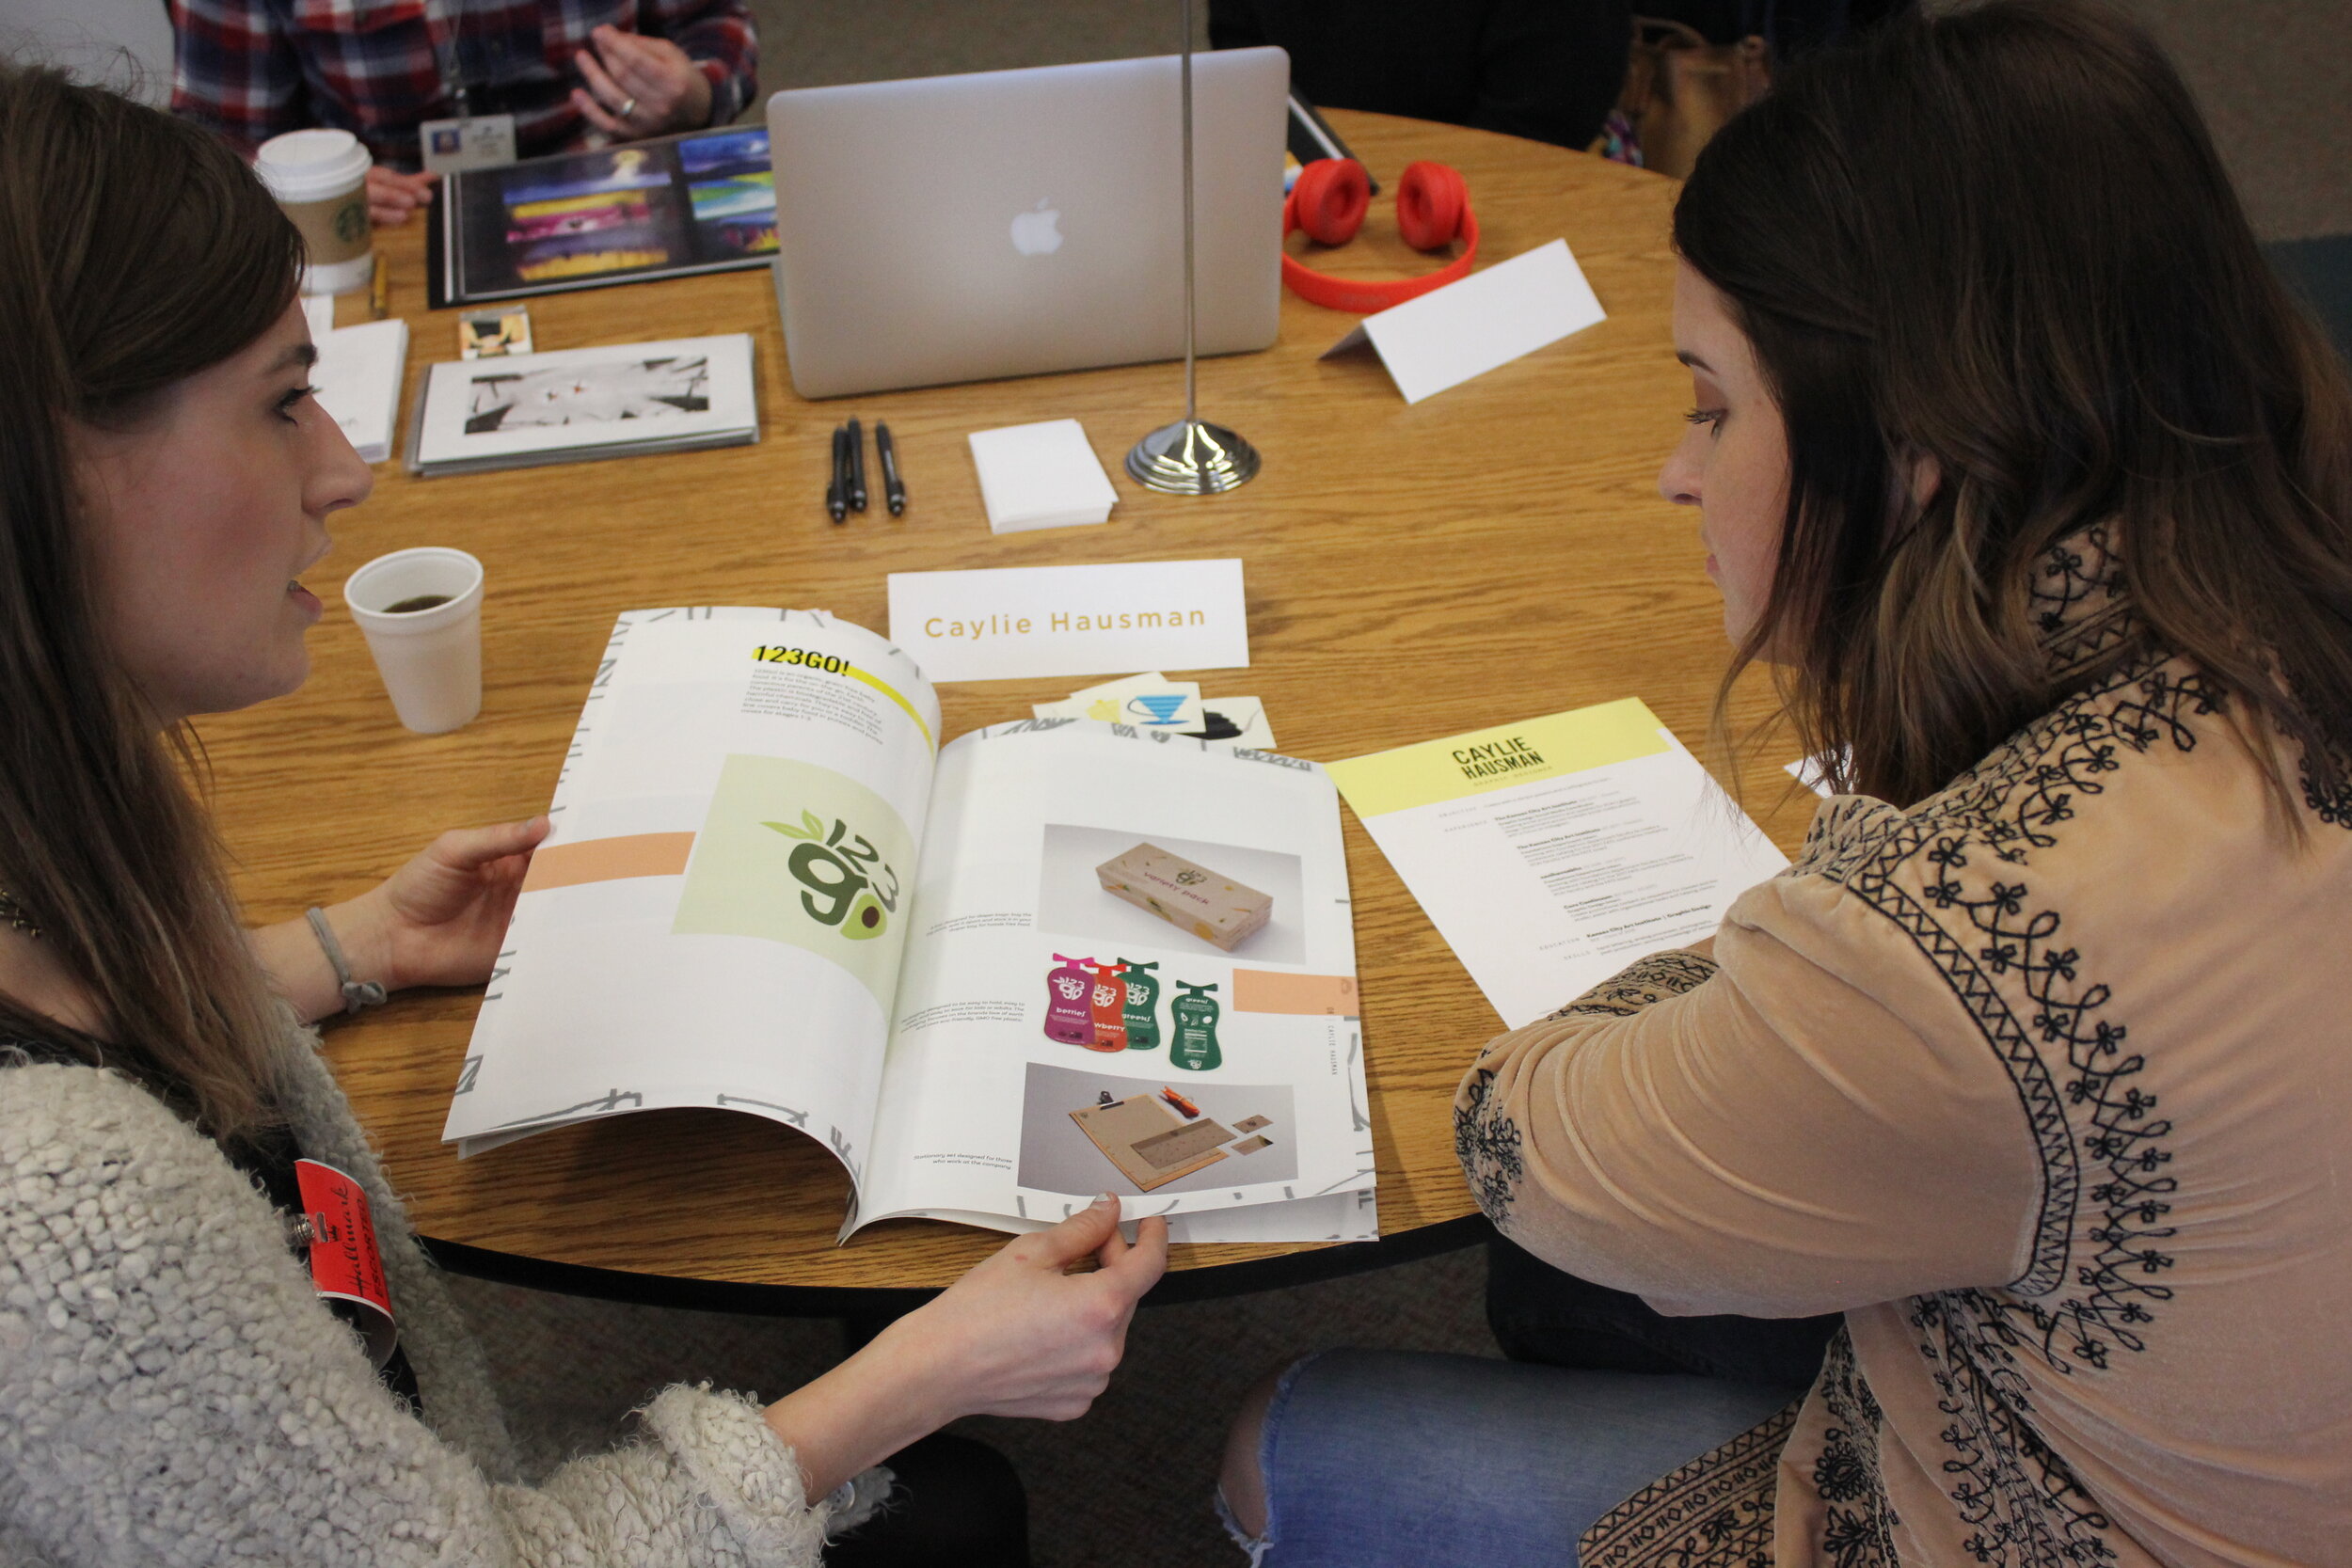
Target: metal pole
[[1190, 458], [1191, 411]]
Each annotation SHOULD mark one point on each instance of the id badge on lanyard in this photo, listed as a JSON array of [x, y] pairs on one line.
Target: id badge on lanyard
[[471, 140], [346, 1267]]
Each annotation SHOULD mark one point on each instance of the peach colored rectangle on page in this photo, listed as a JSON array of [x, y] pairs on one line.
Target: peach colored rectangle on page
[[607, 860], [1262, 990]]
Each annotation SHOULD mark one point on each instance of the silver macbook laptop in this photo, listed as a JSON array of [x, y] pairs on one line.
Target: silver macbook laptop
[[1018, 221]]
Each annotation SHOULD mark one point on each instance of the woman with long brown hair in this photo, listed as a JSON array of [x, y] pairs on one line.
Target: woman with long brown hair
[[172, 1388], [2018, 467]]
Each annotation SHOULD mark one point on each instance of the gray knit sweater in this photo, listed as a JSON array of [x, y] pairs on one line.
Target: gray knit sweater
[[173, 1392]]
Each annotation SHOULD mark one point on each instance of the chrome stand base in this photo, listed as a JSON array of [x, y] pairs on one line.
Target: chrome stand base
[[1192, 457]]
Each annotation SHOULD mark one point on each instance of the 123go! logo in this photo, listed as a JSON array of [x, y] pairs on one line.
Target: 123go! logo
[[845, 883]]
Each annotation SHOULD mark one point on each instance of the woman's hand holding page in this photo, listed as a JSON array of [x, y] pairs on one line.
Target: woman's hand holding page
[[1018, 1336]]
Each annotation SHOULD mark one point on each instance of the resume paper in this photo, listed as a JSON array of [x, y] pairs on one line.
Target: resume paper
[[1551, 854]]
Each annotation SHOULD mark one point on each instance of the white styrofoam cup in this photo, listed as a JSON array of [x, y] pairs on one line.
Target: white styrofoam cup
[[431, 659]]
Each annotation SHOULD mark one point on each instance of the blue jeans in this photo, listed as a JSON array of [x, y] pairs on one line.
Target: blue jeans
[[1383, 1457]]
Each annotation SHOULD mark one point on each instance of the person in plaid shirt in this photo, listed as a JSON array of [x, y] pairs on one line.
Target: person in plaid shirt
[[566, 69]]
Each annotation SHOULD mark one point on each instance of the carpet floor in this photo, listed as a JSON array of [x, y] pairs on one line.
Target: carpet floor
[[1141, 1467]]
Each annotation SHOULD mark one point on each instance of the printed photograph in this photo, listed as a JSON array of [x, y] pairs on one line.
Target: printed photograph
[[1109, 886], [696, 203], [588, 394], [1084, 1132], [737, 214], [729, 152]]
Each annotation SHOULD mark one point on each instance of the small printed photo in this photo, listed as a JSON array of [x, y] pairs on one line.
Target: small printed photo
[[737, 214], [588, 394], [736, 197], [729, 153], [1112, 886], [1086, 1133], [545, 180], [491, 334]]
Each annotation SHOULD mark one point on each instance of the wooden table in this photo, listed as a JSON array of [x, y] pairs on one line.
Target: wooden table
[[1495, 553]]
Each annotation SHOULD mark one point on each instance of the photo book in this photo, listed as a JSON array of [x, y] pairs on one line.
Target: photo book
[[700, 202], [1049, 959], [512, 411]]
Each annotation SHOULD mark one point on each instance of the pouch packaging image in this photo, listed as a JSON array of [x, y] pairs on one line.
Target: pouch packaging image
[[1109, 998], [1069, 1002], [1143, 995], [1194, 1046]]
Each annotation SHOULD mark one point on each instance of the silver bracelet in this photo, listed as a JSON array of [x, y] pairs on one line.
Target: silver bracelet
[[357, 993]]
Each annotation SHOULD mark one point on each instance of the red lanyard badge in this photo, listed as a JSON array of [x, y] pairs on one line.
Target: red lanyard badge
[[345, 1265]]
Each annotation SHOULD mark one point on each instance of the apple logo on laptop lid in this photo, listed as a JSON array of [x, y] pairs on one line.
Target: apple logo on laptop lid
[[1036, 232]]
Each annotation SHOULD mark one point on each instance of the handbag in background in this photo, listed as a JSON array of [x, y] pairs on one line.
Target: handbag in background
[[1679, 88]]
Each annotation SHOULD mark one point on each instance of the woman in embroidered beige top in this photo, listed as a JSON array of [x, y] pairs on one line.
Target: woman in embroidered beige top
[[2036, 490]]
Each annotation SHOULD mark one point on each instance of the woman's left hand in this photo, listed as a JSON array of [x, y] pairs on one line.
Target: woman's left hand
[[640, 87], [439, 920]]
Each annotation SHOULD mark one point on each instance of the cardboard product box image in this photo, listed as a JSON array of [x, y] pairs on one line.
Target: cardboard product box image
[[1190, 898]]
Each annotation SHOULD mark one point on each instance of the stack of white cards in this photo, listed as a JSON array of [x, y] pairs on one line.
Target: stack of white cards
[[358, 376], [1036, 476]]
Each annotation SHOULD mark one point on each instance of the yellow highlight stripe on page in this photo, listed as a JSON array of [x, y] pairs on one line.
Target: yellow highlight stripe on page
[[892, 692], [1475, 763]]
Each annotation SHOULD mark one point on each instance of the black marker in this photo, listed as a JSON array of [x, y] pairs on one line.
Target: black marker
[[837, 488], [893, 490], [858, 467]]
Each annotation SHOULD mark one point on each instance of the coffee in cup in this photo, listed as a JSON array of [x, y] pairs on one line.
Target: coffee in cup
[[420, 610], [320, 179]]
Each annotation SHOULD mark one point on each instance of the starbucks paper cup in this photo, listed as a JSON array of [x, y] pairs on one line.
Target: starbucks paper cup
[[320, 179], [429, 654]]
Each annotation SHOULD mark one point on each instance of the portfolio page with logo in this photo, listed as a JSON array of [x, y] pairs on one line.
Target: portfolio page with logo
[[1058, 960]]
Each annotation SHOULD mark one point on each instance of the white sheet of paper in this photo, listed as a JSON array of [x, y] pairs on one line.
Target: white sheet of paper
[[1045, 475], [359, 375], [1489, 318], [1551, 854], [1022, 621]]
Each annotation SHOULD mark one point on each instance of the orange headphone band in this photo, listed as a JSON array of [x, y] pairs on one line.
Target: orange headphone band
[[1328, 200]]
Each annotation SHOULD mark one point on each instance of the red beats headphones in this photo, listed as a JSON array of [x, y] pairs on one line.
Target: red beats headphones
[[1328, 200]]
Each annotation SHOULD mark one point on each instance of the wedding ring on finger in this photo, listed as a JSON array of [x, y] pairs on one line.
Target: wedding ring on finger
[[628, 108]]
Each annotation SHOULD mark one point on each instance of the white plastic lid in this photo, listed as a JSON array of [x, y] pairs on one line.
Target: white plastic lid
[[311, 166]]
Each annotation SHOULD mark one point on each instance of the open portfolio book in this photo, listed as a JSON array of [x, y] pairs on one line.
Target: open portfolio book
[[1050, 959]]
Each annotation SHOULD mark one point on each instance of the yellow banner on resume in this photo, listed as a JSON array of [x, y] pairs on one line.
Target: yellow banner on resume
[[1483, 760]]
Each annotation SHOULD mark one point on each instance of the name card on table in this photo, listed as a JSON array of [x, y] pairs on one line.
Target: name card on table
[[1022, 621], [1489, 318]]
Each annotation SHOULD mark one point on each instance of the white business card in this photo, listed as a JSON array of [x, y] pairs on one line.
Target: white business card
[[1016, 622], [1490, 318]]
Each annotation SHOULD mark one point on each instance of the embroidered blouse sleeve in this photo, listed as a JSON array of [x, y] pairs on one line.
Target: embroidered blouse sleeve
[[1814, 1125]]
